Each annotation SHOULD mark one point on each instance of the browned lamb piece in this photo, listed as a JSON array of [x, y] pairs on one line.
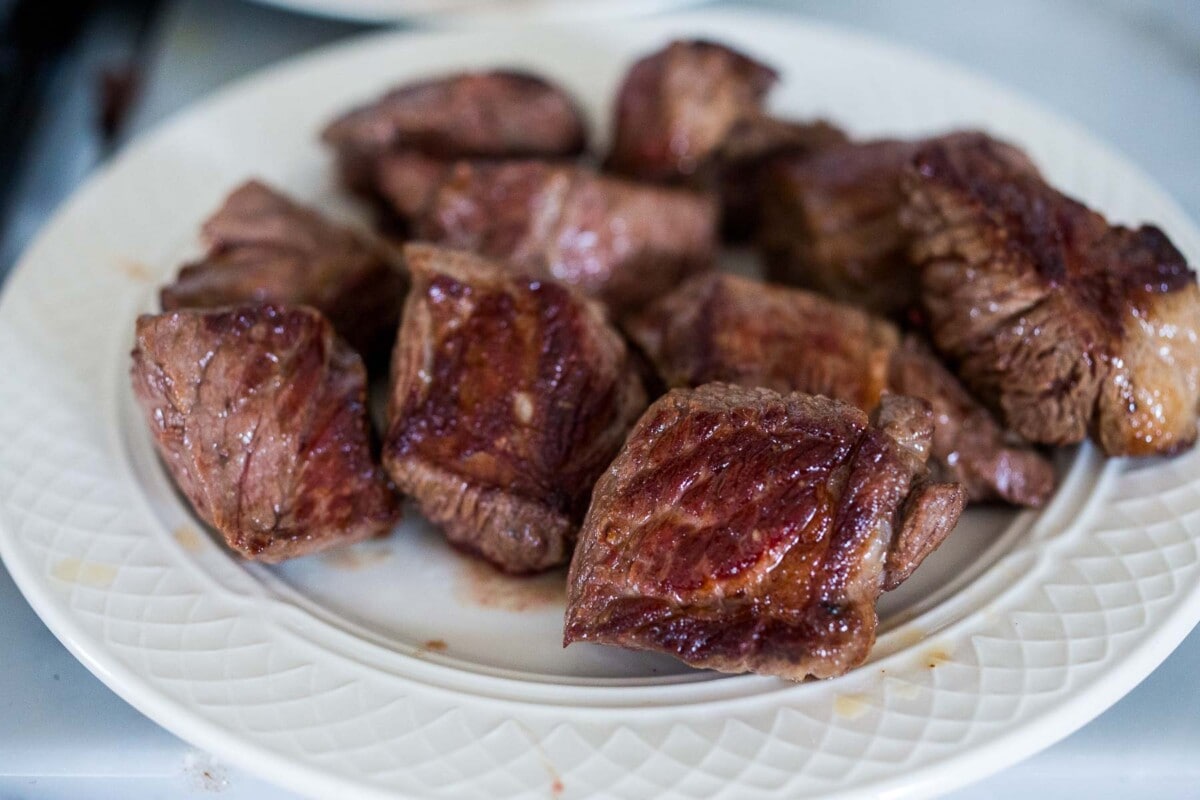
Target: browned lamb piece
[[265, 248], [1070, 324], [259, 414], [747, 531], [693, 113], [720, 327], [498, 114], [510, 395], [622, 242]]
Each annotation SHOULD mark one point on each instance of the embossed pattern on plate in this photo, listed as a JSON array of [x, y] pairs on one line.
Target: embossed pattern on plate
[[1051, 623]]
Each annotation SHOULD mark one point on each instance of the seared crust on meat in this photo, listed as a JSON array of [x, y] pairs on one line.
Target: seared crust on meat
[[259, 414], [677, 107], [721, 327], [831, 223], [265, 248], [497, 114], [744, 530], [693, 113], [510, 395], [1072, 325], [622, 242]]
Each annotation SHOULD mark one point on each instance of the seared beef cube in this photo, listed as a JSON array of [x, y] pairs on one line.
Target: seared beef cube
[[677, 106], [407, 184], [264, 248], [474, 114], [830, 222], [744, 530], [720, 327], [693, 113], [510, 395], [723, 327], [1070, 324], [259, 414], [969, 444], [747, 159], [622, 242]]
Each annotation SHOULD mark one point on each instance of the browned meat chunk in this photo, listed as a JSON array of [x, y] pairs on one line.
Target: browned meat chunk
[[744, 530], [510, 395], [475, 114], [621, 242], [1068, 323], [830, 222], [721, 327], [259, 413], [677, 107], [264, 248], [693, 112], [407, 184], [745, 162]]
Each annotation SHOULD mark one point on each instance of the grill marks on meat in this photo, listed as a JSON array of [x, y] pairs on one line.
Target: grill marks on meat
[[744, 530], [621, 242], [693, 112], [259, 413], [720, 327], [1072, 324], [498, 114], [510, 395], [264, 248]]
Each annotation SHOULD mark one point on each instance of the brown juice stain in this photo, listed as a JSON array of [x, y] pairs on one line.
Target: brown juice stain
[[84, 573], [480, 584], [851, 706], [910, 637], [135, 270], [937, 657], [556, 784], [353, 559], [435, 646], [189, 538]]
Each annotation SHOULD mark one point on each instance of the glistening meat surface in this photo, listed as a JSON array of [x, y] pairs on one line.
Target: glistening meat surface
[[621, 242], [721, 327], [744, 530], [259, 414], [1072, 325], [265, 248], [510, 395]]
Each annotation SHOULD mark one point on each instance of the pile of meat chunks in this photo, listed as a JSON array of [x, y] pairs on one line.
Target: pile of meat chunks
[[734, 469]]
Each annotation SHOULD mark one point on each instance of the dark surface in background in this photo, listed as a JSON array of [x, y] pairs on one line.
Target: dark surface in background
[[33, 37], [68, 70]]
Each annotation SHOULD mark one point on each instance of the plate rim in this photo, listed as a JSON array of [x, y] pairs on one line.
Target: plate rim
[[949, 772]]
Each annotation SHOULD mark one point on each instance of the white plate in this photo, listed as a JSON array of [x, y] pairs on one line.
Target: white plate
[[328, 675], [467, 12]]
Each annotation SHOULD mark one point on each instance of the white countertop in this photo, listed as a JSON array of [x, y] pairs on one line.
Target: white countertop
[[1129, 70]]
